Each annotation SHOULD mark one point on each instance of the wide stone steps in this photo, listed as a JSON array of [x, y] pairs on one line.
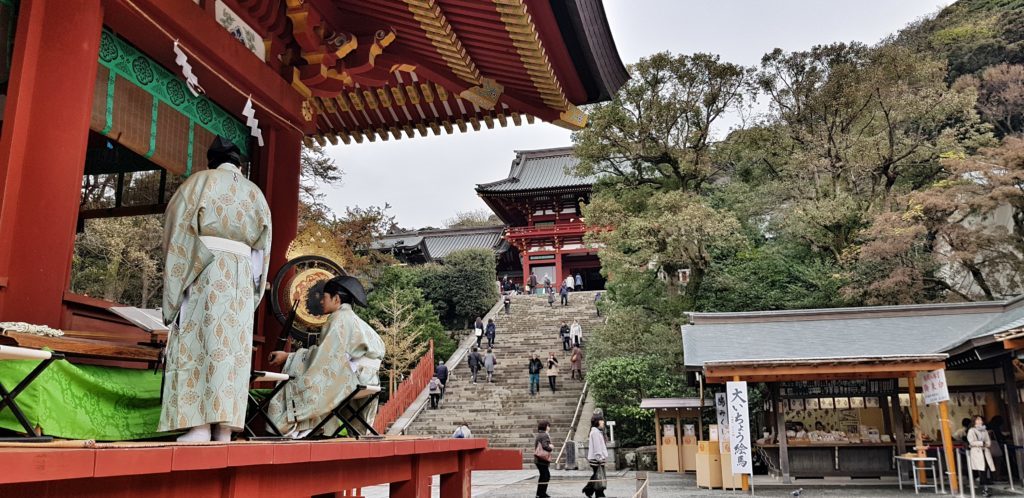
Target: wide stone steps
[[503, 411]]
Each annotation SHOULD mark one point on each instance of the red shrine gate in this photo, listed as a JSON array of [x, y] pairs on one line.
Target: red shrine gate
[[540, 202]]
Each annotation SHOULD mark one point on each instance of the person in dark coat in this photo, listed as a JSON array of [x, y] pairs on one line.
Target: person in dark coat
[[563, 332], [491, 332], [475, 362], [508, 304], [543, 441], [579, 282], [441, 372], [532, 283], [551, 298], [564, 292], [534, 369]]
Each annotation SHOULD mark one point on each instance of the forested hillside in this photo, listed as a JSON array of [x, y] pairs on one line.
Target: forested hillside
[[885, 174]]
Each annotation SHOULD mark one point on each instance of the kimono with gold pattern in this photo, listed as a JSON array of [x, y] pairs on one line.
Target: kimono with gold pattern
[[347, 354], [210, 295]]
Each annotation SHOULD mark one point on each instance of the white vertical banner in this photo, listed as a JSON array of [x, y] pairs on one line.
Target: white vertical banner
[[934, 387], [722, 412], [739, 427]]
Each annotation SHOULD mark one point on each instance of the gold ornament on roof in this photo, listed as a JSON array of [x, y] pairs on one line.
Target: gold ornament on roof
[[315, 241]]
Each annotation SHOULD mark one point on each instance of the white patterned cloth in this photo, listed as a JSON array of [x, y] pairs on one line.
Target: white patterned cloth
[[29, 328]]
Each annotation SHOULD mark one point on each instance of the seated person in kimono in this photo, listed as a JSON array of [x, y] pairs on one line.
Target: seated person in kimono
[[348, 353]]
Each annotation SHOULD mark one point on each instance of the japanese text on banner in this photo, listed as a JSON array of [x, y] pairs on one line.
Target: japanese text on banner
[[934, 387], [739, 427], [722, 412]]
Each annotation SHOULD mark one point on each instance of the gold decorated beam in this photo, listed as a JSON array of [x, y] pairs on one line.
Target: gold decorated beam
[[524, 36], [447, 44]]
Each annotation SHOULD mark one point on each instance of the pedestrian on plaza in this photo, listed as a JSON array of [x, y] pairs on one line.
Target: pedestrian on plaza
[[462, 432], [551, 298], [542, 449], [579, 281], [597, 301], [576, 363], [564, 292], [563, 332], [491, 332], [547, 282], [489, 361], [597, 455], [508, 303], [531, 284], [981, 457], [534, 368], [478, 330], [475, 362], [441, 372], [552, 370], [576, 333], [435, 392]]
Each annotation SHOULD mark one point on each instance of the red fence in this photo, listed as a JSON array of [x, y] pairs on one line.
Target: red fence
[[407, 392]]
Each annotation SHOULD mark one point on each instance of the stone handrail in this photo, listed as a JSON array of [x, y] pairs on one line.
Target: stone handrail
[[575, 418]]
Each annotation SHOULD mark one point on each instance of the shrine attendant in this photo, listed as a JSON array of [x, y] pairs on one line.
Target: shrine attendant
[[348, 354], [217, 239]]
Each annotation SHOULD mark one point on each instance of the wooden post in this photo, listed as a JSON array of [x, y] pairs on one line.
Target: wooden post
[[42, 154], [915, 417], [780, 428], [679, 443], [898, 430], [745, 478], [1013, 411], [657, 439], [700, 409], [947, 446]]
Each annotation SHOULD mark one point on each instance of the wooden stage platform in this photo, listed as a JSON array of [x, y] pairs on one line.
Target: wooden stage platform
[[285, 469]]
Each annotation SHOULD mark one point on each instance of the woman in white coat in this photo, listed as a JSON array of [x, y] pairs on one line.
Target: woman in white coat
[[981, 456]]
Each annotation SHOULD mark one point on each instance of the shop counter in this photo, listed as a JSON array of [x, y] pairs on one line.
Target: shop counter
[[834, 459]]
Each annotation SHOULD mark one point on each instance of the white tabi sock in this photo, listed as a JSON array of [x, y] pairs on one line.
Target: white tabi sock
[[222, 433], [197, 434]]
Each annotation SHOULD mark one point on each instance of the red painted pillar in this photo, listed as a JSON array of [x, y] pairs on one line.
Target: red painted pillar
[[418, 485], [42, 153], [459, 484], [278, 177], [525, 258], [558, 266]]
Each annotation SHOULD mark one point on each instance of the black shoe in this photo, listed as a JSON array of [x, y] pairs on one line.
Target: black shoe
[[589, 494]]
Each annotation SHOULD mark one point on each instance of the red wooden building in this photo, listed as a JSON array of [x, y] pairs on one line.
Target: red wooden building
[[92, 87], [540, 202]]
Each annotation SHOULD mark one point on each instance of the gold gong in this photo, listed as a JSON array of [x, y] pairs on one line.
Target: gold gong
[[298, 289]]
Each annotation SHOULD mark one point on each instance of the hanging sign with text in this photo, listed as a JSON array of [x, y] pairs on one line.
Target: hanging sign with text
[[739, 427], [934, 387], [722, 413]]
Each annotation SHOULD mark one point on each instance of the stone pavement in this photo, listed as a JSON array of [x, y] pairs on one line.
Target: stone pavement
[[522, 484]]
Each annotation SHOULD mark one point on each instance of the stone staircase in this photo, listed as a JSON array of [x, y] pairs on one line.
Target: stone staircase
[[503, 411]]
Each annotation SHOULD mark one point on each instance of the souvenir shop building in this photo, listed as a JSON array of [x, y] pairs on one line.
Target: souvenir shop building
[[844, 384]]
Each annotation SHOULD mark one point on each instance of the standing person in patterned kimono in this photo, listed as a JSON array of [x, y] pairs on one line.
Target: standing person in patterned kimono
[[348, 354], [217, 239]]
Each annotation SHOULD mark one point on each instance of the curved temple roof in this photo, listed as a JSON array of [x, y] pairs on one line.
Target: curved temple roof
[[386, 68], [867, 332]]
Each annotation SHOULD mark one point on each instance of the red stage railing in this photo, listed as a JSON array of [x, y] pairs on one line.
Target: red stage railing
[[406, 393]]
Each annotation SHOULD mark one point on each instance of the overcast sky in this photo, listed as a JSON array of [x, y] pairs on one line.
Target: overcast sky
[[426, 180]]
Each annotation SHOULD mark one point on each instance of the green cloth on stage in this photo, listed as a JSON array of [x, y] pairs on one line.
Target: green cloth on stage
[[85, 401]]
